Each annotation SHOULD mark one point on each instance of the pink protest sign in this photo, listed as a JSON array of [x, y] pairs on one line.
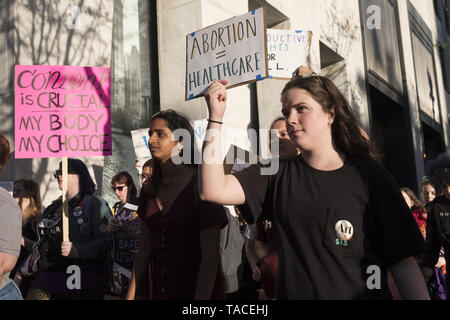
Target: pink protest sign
[[62, 111]]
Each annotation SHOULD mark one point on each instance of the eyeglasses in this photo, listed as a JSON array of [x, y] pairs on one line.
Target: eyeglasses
[[120, 188], [313, 74]]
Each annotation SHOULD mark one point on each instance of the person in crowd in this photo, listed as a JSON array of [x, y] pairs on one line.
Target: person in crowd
[[28, 197], [147, 170], [123, 187], [10, 232], [178, 253], [260, 245], [438, 218], [428, 191], [416, 207], [125, 227], [339, 219], [73, 269], [435, 284]]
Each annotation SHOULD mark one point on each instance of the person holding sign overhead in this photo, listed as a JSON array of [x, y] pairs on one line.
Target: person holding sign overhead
[[339, 219], [178, 253], [73, 269]]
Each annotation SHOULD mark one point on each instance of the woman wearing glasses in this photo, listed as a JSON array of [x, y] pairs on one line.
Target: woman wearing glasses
[[74, 269], [124, 227], [123, 187], [339, 219], [178, 254]]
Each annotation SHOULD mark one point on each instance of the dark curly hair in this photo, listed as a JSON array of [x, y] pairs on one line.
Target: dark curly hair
[[346, 130]]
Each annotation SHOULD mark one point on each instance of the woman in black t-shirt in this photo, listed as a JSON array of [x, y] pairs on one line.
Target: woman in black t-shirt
[[339, 219]]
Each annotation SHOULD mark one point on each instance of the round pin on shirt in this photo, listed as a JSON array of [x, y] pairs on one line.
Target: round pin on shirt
[[344, 230], [80, 220]]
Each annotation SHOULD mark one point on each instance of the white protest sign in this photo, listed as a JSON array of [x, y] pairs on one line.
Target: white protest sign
[[234, 49], [140, 143], [287, 50]]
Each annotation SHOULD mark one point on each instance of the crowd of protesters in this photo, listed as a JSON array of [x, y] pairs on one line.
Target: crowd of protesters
[[312, 230]]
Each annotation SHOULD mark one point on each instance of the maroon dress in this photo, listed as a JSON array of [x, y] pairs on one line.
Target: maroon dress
[[175, 245]]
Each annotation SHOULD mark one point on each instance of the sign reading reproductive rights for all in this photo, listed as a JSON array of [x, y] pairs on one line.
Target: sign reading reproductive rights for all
[[287, 50], [234, 49], [62, 111]]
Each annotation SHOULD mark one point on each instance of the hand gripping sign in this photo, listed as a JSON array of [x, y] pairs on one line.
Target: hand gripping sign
[[234, 49], [62, 111]]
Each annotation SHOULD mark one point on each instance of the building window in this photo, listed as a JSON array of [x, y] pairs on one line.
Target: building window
[[134, 82], [382, 45], [424, 67]]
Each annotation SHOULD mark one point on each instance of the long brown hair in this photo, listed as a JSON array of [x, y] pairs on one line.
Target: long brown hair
[[416, 202], [345, 129], [24, 188]]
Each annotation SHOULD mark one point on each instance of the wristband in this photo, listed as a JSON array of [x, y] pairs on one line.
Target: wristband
[[209, 120]]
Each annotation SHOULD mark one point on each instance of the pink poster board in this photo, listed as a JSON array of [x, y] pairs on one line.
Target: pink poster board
[[62, 111]]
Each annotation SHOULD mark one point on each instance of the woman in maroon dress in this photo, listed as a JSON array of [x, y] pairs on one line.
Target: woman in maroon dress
[[178, 254]]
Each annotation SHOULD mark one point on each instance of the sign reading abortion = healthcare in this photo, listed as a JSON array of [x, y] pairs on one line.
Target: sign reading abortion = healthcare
[[234, 49], [287, 50], [62, 111]]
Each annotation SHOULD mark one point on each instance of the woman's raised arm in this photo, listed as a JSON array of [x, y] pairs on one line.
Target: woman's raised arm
[[215, 186]]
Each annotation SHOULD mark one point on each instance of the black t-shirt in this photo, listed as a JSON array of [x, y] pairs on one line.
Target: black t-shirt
[[331, 226]]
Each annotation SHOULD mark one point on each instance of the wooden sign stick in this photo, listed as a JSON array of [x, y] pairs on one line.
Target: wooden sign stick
[[65, 201]]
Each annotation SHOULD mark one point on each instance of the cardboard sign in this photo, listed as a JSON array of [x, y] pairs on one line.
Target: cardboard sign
[[287, 50], [62, 111], [234, 49], [140, 143]]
